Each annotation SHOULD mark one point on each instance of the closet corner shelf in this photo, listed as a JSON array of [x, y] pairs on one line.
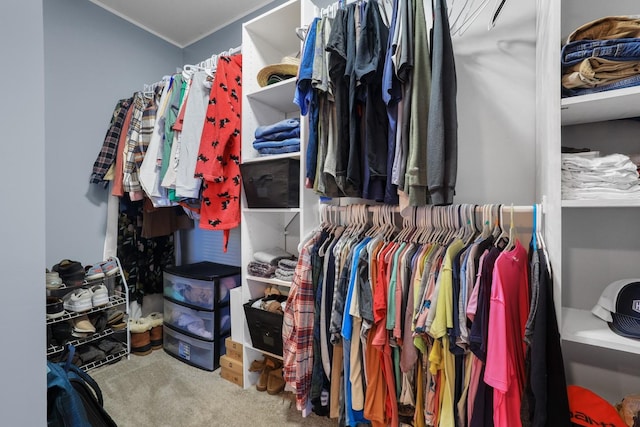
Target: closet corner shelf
[[295, 155], [247, 345], [267, 27], [601, 203], [583, 327], [278, 95], [271, 210], [271, 281], [597, 107]]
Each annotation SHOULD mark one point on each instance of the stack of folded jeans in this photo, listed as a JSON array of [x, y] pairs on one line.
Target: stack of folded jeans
[[602, 55], [587, 176], [278, 138]]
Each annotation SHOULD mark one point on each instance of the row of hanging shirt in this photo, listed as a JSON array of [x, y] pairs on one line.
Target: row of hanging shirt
[[378, 82], [178, 142], [380, 94], [439, 324]]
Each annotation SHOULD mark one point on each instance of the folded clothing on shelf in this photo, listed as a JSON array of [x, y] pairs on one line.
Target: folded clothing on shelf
[[587, 177], [280, 150], [283, 129], [272, 255], [286, 268], [285, 275], [261, 269]]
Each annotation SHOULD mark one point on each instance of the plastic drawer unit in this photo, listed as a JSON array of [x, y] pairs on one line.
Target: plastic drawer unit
[[195, 352], [196, 311], [201, 285], [197, 323]]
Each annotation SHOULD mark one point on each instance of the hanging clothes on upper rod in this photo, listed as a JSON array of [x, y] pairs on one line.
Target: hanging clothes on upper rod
[[156, 137], [383, 93]]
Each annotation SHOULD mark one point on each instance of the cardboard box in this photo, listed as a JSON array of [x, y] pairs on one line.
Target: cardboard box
[[234, 349], [231, 376], [230, 364]]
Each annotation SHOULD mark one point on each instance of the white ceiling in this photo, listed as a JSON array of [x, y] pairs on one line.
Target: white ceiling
[[181, 22]]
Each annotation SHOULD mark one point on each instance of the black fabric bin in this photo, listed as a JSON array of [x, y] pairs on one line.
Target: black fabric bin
[[265, 327], [272, 183]]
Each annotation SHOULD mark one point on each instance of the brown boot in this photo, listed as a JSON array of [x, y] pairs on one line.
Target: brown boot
[[140, 336], [276, 382], [269, 365], [155, 320]]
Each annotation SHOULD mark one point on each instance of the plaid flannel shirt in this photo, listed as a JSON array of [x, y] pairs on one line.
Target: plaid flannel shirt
[[107, 154], [130, 181], [297, 328]]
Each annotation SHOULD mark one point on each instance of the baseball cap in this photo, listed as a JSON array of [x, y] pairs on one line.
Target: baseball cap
[[588, 409], [619, 306]]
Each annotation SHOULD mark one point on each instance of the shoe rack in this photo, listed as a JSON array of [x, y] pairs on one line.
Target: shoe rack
[[118, 298]]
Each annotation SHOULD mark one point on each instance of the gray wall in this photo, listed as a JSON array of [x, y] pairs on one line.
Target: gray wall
[[22, 330], [223, 39], [92, 59]]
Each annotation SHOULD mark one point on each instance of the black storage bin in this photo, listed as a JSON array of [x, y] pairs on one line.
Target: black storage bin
[[265, 327], [272, 183]]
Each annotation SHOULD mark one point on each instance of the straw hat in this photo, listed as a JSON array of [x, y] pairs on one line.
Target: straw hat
[[287, 68]]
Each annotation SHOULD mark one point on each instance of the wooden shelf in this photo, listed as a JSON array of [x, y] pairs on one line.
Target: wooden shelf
[[270, 281], [597, 107], [583, 327], [601, 203]]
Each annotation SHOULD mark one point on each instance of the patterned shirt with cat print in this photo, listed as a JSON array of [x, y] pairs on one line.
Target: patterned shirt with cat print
[[218, 161]]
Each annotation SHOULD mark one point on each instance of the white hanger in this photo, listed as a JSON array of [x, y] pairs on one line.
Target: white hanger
[[513, 233]]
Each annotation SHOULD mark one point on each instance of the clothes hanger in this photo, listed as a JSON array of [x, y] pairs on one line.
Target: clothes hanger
[[503, 238], [497, 9], [541, 238], [513, 233], [496, 209], [534, 232], [470, 18]]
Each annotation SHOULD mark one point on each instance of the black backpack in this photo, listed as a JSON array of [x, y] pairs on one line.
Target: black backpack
[[73, 397]]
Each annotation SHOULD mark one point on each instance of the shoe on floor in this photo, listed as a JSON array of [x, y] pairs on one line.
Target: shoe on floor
[[155, 319], [275, 383], [78, 301], [140, 330], [99, 295], [269, 365], [82, 324], [93, 272], [55, 308]]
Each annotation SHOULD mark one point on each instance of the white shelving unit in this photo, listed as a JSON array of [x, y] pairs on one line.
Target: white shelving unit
[[266, 40], [591, 242]]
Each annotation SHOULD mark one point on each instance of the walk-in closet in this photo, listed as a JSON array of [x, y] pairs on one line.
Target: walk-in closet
[[323, 212]]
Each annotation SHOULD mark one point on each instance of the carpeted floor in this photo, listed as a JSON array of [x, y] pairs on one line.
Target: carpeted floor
[[160, 391]]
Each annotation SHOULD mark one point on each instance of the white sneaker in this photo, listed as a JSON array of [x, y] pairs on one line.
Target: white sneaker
[[99, 295], [78, 300]]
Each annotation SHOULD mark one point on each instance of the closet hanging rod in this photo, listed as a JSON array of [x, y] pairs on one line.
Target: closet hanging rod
[[206, 63]]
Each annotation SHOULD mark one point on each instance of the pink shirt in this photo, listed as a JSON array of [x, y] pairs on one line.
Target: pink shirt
[[508, 312]]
